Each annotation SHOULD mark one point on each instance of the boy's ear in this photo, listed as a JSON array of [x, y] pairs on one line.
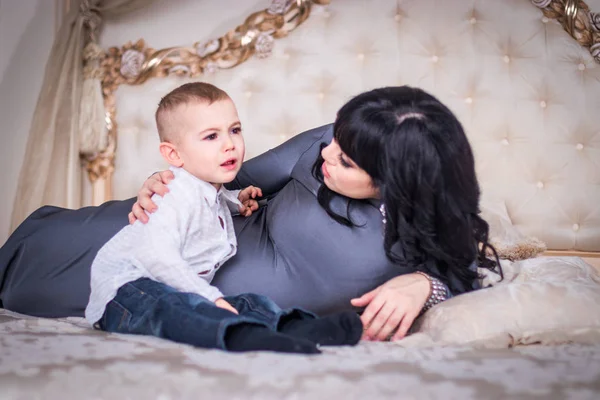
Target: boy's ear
[[170, 154]]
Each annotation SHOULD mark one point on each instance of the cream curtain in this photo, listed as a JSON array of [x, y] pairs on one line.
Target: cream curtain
[[51, 171]]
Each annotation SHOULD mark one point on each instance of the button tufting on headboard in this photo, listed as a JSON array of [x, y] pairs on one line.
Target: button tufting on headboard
[[527, 93]]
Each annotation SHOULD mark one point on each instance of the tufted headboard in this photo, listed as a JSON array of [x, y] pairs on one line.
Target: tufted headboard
[[526, 92]]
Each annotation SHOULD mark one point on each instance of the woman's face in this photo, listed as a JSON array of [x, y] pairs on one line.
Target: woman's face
[[343, 176]]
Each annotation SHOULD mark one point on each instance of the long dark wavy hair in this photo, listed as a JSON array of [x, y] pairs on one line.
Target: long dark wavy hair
[[419, 158]]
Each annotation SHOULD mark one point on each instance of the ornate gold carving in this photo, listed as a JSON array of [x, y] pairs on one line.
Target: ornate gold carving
[[135, 63], [101, 165], [570, 16], [577, 19]]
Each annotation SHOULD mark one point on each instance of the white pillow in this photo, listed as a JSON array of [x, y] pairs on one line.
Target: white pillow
[[543, 300], [509, 242]]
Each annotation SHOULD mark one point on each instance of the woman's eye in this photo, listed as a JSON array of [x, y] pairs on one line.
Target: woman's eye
[[212, 136], [236, 131], [344, 163]]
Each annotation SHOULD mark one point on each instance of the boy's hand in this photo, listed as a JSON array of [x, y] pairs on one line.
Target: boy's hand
[[222, 303], [247, 198]]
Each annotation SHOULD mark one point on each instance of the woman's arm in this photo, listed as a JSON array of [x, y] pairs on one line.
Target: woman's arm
[[392, 307], [272, 170]]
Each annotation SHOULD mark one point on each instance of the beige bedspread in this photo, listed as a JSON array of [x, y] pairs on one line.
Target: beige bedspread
[[63, 359]]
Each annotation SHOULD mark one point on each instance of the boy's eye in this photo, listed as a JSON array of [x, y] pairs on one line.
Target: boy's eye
[[212, 136]]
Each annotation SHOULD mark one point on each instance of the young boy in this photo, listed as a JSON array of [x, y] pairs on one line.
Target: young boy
[[154, 278]]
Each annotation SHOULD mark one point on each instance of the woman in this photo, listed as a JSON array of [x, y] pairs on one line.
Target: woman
[[394, 154]]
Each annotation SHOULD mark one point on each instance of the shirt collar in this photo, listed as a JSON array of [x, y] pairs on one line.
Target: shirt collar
[[230, 196], [209, 192]]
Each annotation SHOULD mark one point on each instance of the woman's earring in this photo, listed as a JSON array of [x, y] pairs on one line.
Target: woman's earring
[[382, 211]]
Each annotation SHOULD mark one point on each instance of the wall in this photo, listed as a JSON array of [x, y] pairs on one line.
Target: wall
[[26, 33]]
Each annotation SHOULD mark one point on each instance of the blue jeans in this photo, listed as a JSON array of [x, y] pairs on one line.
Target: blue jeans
[[147, 307]]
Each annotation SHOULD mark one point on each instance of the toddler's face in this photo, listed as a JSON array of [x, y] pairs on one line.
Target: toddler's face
[[210, 140]]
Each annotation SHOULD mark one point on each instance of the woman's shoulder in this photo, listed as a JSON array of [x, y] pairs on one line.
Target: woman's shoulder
[[312, 144], [321, 132], [302, 143]]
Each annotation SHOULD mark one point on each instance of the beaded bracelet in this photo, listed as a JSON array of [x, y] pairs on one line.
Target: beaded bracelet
[[437, 292]]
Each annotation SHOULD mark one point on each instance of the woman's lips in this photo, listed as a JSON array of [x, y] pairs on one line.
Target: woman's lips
[[325, 172]]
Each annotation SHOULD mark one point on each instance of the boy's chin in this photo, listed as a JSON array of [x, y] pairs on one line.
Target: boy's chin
[[224, 181], [224, 178]]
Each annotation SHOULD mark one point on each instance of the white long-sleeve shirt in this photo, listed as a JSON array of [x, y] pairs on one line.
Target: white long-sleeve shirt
[[185, 241]]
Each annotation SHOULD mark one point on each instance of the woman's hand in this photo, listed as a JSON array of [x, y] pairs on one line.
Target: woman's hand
[[393, 306], [247, 198], [157, 183], [224, 304]]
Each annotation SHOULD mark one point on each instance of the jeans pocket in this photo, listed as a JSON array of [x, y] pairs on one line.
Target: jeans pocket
[[116, 318]]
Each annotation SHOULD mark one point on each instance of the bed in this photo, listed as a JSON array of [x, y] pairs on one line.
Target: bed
[[48, 359], [522, 76]]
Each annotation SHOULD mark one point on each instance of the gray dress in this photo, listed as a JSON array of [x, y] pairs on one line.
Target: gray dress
[[289, 250]]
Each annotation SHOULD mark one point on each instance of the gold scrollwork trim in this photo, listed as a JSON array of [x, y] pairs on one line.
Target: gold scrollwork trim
[[570, 16], [577, 19], [135, 63]]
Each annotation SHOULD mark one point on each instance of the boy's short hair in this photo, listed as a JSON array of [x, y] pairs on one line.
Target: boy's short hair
[[184, 94]]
